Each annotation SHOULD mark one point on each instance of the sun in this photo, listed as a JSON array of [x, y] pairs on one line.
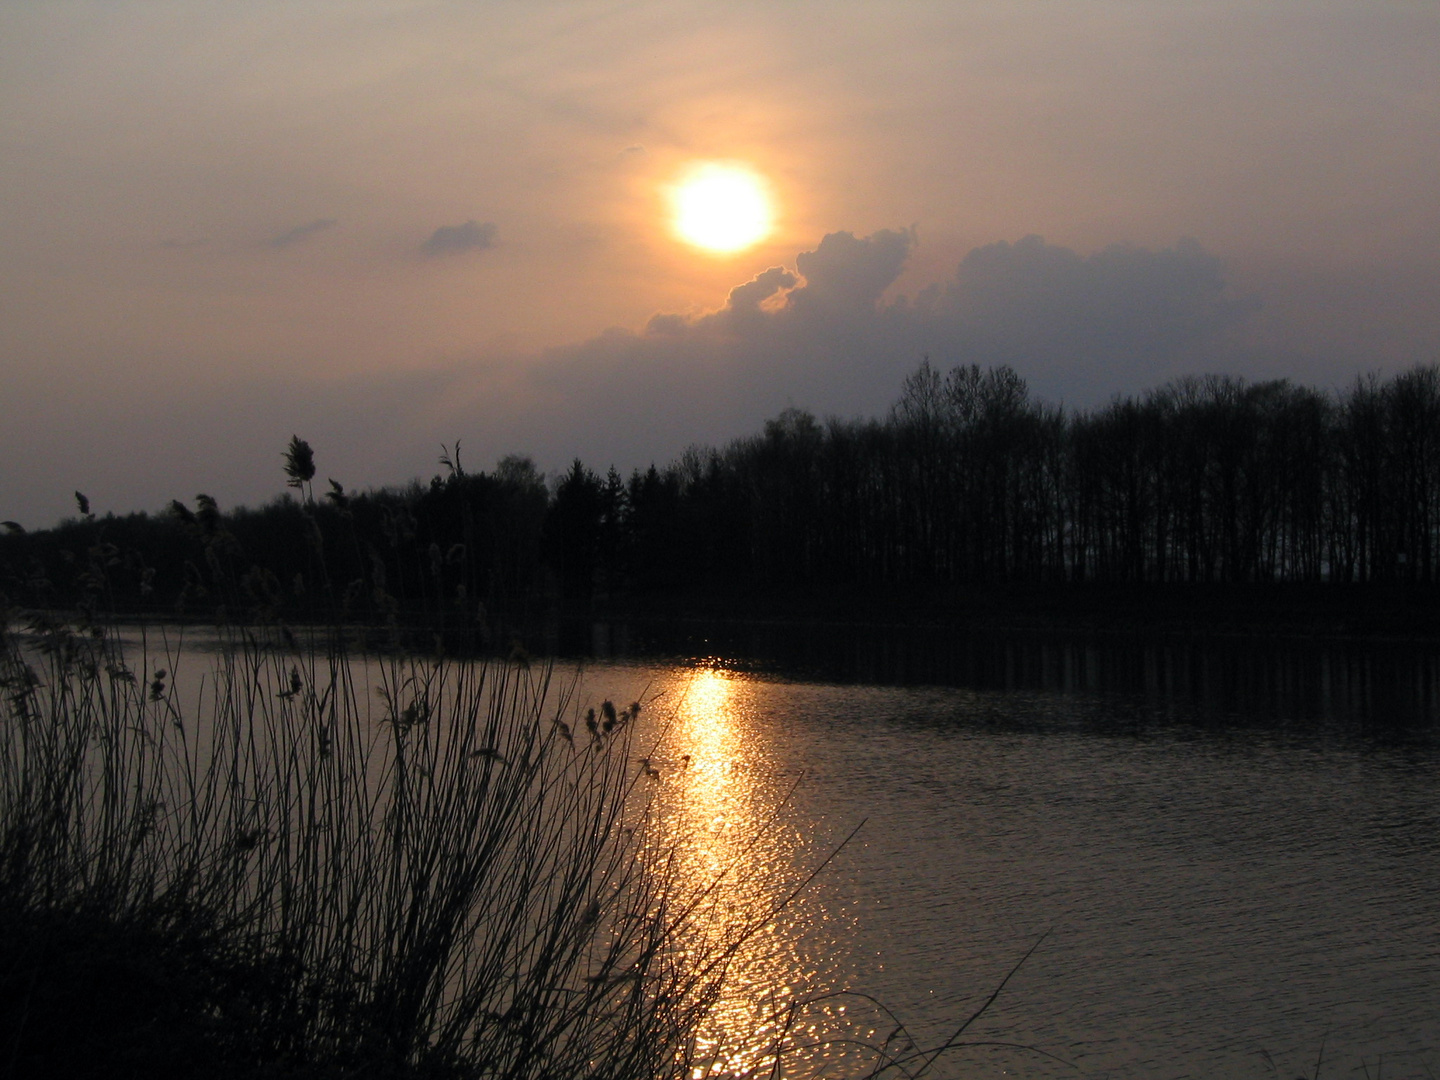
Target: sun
[[721, 208]]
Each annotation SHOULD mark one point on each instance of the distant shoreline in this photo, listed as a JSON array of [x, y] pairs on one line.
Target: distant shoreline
[[1371, 612], [1320, 612]]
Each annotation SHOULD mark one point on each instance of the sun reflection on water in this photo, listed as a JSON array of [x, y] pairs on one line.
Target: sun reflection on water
[[726, 792]]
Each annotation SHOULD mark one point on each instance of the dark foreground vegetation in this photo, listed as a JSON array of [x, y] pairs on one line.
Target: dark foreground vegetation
[[306, 861], [1196, 494], [284, 880]]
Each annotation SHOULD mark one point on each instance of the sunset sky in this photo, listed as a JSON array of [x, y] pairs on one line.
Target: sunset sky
[[386, 227]]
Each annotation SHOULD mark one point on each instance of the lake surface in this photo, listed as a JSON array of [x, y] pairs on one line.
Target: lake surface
[[1219, 888], [1388, 690], [1225, 856]]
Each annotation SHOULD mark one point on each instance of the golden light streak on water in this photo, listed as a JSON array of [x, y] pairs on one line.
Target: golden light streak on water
[[728, 796]]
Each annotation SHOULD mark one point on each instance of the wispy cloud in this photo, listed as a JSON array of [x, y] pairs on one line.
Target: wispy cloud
[[454, 239], [302, 232]]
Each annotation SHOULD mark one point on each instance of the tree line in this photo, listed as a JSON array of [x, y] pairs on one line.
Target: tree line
[[968, 479]]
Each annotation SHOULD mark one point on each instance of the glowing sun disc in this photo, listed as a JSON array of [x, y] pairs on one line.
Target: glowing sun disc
[[721, 208]]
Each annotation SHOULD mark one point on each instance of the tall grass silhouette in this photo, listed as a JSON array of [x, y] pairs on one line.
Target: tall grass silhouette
[[289, 875]]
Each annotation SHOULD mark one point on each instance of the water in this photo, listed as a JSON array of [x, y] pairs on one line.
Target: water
[[1387, 689], [1209, 899], [1225, 860]]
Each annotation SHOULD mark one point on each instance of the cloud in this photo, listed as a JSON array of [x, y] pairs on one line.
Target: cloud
[[1121, 309], [823, 336], [846, 274], [746, 299], [454, 239], [303, 232]]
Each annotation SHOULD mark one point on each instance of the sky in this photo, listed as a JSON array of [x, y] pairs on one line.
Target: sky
[[391, 226]]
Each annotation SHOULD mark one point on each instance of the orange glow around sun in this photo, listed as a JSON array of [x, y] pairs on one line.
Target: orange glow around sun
[[721, 208]]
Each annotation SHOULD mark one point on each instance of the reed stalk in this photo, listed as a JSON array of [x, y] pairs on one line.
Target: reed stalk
[[329, 864]]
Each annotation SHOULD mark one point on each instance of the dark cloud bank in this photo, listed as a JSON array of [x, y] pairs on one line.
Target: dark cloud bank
[[823, 336]]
